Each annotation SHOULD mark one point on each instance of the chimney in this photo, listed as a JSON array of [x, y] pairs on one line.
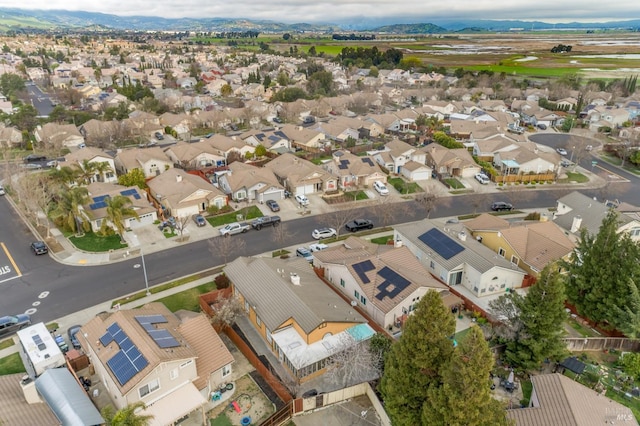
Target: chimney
[[295, 279], [462, 236], [577, 222], [29, 390], [178, 178], [397, 243]]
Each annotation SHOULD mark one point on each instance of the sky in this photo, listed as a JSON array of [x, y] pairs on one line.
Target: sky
[[340, 11]]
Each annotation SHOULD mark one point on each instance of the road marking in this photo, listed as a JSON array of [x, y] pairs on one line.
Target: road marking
[[15, 267], [9, 279]]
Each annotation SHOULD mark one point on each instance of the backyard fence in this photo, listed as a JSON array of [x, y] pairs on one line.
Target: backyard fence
[[602, 343]]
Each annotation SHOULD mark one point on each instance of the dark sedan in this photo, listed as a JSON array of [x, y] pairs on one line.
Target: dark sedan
[[73, 338], [359, 224], [273, 205], [39, 247]]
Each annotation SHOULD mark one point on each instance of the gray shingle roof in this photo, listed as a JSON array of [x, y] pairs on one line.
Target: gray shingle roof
[[266, 285], [591, 211]]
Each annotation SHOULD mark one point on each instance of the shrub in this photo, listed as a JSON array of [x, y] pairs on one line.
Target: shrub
[[222, 281]]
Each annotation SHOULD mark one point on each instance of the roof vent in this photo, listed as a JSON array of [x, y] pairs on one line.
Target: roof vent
[[295, 279]]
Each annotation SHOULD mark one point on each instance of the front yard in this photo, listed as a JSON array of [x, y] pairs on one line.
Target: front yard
[[96, 243], [404, 187], [248, 213]]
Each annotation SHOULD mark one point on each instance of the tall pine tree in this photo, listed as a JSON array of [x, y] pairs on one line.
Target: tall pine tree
[[541, 316], [464, 398], [415, 362], [602, 268]]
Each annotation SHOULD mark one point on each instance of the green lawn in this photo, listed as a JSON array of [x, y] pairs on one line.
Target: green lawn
[[219, 220], [7, 343], [527, 388], [584, 331], [454, 183], [96, 243], [11, 364], [187, 299], [382, 240], [403, 186], [221, 420], [577, 177]]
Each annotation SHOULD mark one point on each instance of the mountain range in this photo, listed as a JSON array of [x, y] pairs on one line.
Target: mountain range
[[12, 19]]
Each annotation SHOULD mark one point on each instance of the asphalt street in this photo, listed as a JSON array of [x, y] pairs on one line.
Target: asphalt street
[[52, 290]]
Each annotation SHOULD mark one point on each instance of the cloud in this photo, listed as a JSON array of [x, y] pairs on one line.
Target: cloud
[[296, 11]]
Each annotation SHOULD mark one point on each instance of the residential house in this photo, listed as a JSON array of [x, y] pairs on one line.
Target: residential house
[[301, 176], [101, 133], [561, 401], [224, 145], [385, 281], [93, 157], [272, 140], [152, 161], [397, 153], [299, 317], [413, 171], [244, 182], [96, 209], [525, 159], [339, 129], [10, 137], [458, 261], [180, 123], [148, 355], [59, 135], [530, 245], [451, 162], [195, 155], [576, 211], [181, 194], [304, 138], [354, 171]]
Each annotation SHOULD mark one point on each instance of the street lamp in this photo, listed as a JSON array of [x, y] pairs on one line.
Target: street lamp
[[144, 270], [573, 148]]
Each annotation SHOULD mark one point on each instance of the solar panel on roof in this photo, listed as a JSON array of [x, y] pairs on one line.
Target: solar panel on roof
[[367, 161], [128, 361], [128, 192], [122, 367], [393, 283], [160, 336], [99, 198], [362, 268], [96, 206], [136, 196], [126, 344], [39, 343], [106, 339], [441, 243]]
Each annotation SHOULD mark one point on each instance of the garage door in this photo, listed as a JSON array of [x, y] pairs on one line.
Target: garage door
[[145, 219], [421, 175], [306, 189], [273, 195]]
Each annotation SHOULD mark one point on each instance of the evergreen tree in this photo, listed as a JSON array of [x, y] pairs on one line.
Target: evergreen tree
[[541, 315], [601, 271], [464, 398], [415, 362]]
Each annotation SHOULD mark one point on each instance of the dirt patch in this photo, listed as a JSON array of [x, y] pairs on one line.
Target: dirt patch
[[249, 400]]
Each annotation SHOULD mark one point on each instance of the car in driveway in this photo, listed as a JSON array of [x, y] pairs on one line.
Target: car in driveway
[[565, 163], [39, 247], [501, 206], [482, 178], [32, 166], [305, 253], [72, 332], [561, 151], [199, 220], [11, 323], [318, 247], [159, 136], [273, 205], [302, 199], [321, 233], [381, 188], [359, 224]]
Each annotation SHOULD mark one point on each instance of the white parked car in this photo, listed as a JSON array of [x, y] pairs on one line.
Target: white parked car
[[561, 151], [302, 200], [317, 247], [482, 178], [321, 233], [381, 188]]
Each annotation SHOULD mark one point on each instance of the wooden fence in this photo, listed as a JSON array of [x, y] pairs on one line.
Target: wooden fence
[[602, 343], [546, 177]]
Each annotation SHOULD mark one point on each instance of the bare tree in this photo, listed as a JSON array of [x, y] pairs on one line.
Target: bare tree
[[339, 218], [387, 208], [427, 202], [226, 248], [356, 363], [280, 234], [182, 222], [226, 310]]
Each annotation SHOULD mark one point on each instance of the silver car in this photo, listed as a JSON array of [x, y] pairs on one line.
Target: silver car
[[12, 323]]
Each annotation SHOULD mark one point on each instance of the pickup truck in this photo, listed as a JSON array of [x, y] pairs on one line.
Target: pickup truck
[[263, 221], [358, 224], [234, 228]]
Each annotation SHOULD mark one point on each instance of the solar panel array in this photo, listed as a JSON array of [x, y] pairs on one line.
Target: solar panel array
[[441, 243], [393, 283], [130, 192], [128, 361], [368, 161], [39, 343], [99, 202], [161, 336], [344, 164], [362, 268]]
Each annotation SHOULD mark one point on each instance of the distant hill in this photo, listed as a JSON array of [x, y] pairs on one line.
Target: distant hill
[[411, 29], [13, 19]]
